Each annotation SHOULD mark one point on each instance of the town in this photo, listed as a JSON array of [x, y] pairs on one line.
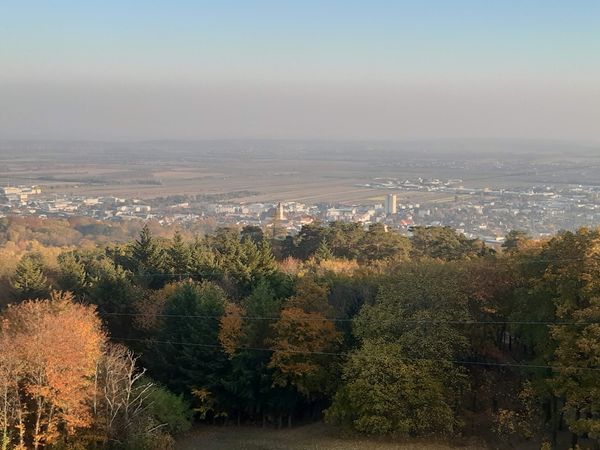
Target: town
[[484, 213]]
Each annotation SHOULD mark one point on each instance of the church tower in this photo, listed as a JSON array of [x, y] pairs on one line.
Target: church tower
[[279, 216]]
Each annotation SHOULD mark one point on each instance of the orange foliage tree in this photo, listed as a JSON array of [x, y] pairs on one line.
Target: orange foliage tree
[[50, 351], [230, 328], [303, 337]]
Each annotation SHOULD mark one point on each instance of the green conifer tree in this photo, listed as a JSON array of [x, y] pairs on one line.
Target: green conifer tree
[[149, 260], [72, 275], [29, 281], [323, 253], [179, 257]]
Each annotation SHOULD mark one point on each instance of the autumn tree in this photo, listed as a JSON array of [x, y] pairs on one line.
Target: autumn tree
[[515, 240], [230, 327], [52, 371], [302, 339], [150, 307], [12, 415], [574, 277]]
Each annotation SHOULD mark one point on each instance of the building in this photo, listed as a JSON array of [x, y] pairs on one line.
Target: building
[[279, 212], [19, 194], [391, 202]]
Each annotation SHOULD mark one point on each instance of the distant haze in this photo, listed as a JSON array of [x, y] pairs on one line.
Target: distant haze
[[299, 70]]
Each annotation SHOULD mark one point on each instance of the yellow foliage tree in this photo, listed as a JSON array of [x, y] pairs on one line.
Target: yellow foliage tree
[[55, 346]]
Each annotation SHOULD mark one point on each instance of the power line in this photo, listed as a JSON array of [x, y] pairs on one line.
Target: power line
[[319, 353], [325, 319]]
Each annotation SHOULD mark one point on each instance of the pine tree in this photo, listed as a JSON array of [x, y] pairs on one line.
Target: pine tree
[[378, 243], [149, 260], [203, 263], [114, 294], [443, 243], [252, 232], [29, 281], [250, 381], [266, 264], [323, 253], [308, 239], [179, 257], [201, 365], [72, 275]]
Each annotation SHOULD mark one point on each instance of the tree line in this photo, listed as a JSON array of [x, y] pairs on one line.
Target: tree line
[[432, 334]]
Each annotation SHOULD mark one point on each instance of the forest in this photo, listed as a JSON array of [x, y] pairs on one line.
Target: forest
[[128, 342]]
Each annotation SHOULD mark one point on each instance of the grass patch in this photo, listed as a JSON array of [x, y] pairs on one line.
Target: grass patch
[[308, 437]]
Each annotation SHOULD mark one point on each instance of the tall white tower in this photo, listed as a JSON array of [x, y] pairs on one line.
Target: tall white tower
[[391, 202]]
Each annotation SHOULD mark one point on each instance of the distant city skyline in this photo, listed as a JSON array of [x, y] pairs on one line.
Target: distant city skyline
[[300, 70]]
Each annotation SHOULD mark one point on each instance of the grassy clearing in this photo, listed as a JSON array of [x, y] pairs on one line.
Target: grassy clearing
[[308, 437]]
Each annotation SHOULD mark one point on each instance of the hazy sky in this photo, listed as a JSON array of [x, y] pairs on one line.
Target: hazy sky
[[118, 69]]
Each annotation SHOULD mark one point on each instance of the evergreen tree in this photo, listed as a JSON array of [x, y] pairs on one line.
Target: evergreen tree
[[266, 265], [148, 260], [72, 276], [323, 253], [114, 294], [379, 243], [179, 257], [443, 243], [29, 281], [343, 239], [250, 382], [203, 264], [252, 232], [241, 263], [200, 363], [308, 240]]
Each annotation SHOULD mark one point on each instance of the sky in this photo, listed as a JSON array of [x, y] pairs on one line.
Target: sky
[[310, 69]]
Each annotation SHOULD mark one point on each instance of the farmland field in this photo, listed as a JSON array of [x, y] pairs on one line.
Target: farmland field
[[266, 171]]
